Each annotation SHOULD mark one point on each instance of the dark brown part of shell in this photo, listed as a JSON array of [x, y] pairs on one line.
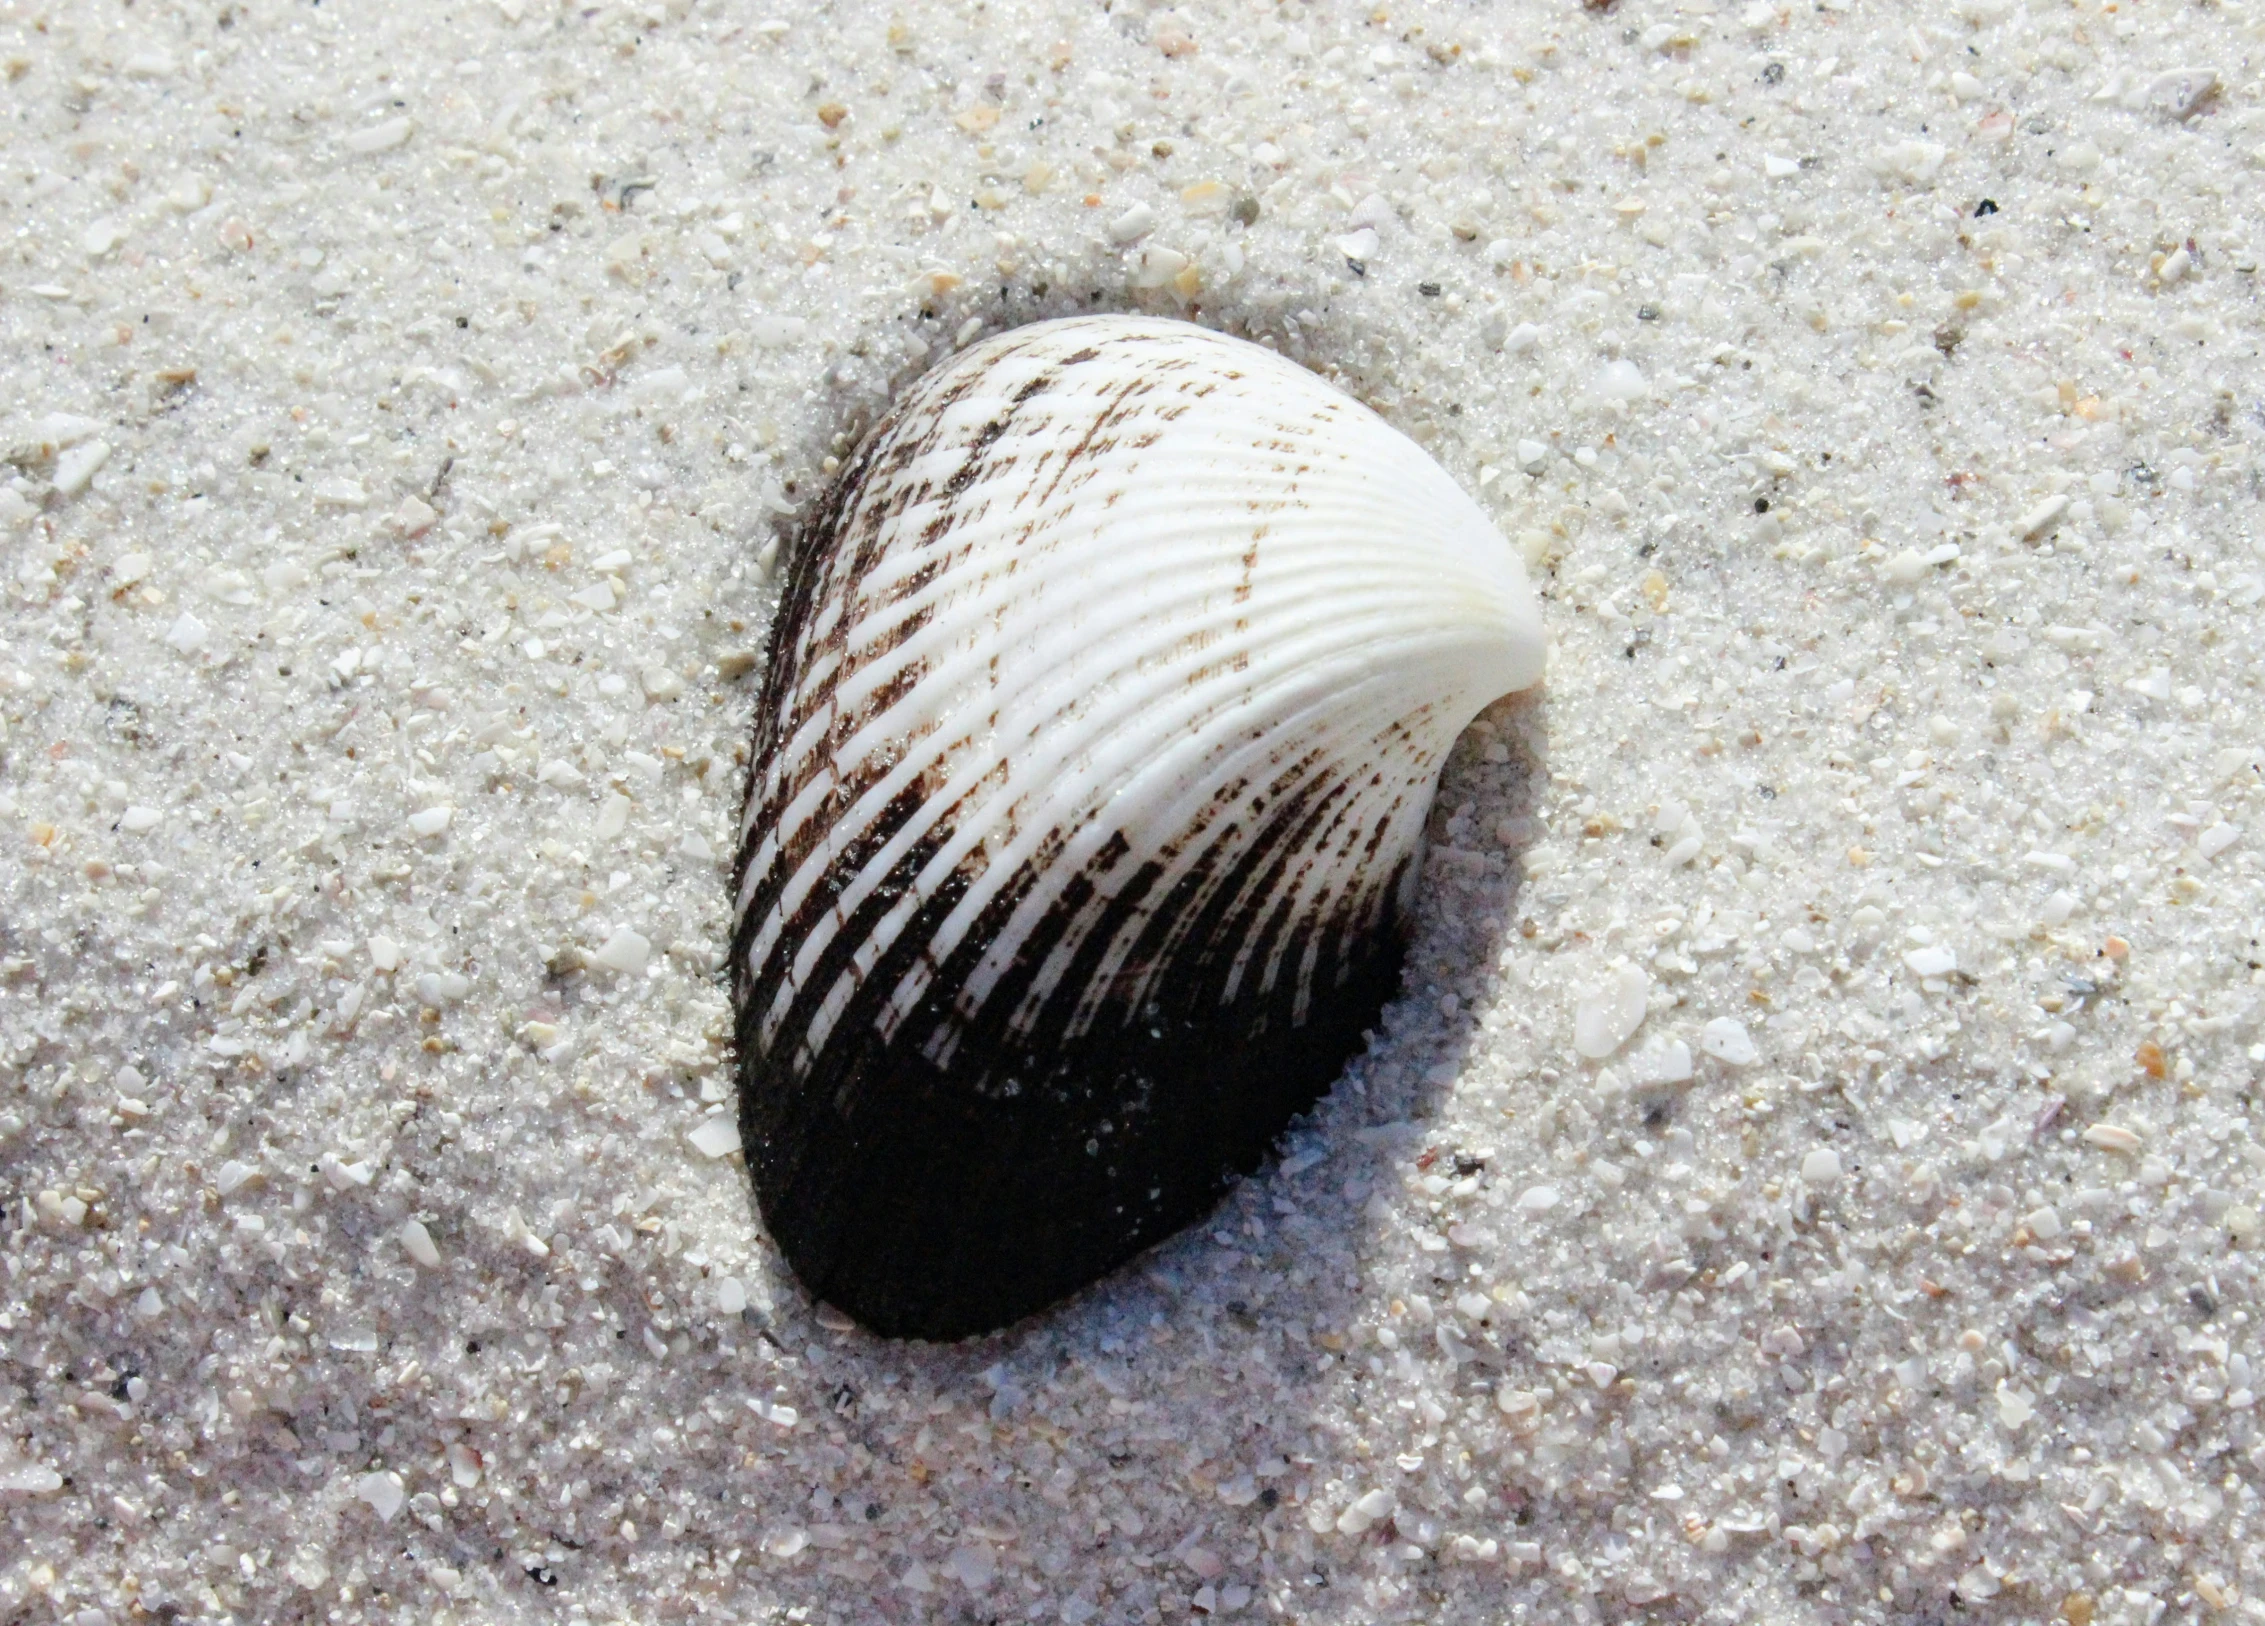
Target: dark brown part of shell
[[946, 1201]]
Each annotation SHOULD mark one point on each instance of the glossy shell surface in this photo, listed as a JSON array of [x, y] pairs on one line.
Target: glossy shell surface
[[1105, 706]]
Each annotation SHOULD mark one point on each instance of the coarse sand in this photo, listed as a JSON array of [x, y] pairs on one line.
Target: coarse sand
[[1814, 1173]]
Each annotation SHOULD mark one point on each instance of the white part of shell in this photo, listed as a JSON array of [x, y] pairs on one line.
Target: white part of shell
[[1185, 566]]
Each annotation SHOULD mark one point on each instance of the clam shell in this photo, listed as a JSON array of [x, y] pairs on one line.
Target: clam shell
[[1106, 703]]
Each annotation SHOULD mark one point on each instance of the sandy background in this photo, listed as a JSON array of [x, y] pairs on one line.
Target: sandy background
[[403, 404]]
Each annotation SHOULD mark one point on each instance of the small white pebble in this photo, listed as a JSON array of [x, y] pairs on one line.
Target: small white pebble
[[75, 469], [731, 1295], [1976, 1585], [1668, 1064], [1607, 1016], [1621, 381], [414, 517], [1904, 568], [973, 1567], [661, 683], [341, 1175], [381, 137], [1934, 960], [517, 1228], [1366, 1511], [136, 820], [2112, 1137], [776, 1415], [2215, 840], [186, 635], [1360, 246], [1726, 1039], [430, 822], [2042, 518], [385, 953], [2155, 683], [716, 1137], [383, 1492], [443, 987], [1821, 1167], [2180, 92], [1134, 224], [20, 1478], [777, 332], [1537, 1199], [57, 430], [418, 1242], [625, 951]]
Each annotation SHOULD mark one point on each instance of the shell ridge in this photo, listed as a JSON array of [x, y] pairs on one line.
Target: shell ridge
[[796, 888], [1131, 773], [914, 849], [1252, 943], [1220, 876]]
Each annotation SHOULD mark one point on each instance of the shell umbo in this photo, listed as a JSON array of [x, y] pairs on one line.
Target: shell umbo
[[1105, 706]]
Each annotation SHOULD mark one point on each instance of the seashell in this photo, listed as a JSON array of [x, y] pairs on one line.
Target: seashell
[[1105, 706]]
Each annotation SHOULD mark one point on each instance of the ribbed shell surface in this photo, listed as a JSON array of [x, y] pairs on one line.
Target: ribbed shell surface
[[1105, 707]]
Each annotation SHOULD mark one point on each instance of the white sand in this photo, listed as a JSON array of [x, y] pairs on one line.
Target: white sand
[[372, 698]]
